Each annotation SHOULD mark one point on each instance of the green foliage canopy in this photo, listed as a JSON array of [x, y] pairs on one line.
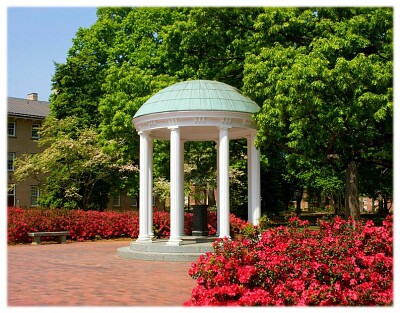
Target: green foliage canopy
[[79, 173], [322, 75], [325, 79]]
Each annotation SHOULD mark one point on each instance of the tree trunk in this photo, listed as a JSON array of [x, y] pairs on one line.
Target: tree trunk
[[352, 207], [335, 202], [340, 203], [380, 204], [298, 203], [385, 205]]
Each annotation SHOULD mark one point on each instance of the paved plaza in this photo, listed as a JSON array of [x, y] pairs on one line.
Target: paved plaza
[[91, 274]]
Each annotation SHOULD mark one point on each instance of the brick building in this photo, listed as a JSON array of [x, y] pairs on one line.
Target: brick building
[[25, 117]]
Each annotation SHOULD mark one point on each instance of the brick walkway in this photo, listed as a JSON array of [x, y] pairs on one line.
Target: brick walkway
[[91, 274]]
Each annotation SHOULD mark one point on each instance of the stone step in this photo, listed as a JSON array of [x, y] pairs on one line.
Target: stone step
[[190, 249], [128, 253], [160, 246], [199, 239]]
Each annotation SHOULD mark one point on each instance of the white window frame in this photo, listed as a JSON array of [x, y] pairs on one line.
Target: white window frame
[[34, 197], [36, 127], [10, 161], [13, 129], [11, 192]]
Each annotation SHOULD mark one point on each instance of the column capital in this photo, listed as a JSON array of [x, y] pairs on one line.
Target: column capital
[[224, 127], [144, 133], [175, 127], [252, 134]]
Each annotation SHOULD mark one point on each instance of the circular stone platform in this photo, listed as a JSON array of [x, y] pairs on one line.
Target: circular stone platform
[[190, 249]]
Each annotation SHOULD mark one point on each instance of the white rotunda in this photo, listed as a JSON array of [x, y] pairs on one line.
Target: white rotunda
[[196, 110]]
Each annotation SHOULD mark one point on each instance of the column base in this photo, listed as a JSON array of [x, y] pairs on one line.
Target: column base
[[144, 239], [174, 242]]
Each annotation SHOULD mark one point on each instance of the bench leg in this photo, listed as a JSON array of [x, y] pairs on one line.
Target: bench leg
[[62, 239], [36, 240]]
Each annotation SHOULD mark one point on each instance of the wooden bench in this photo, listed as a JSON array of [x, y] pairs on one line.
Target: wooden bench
[[61, 236]]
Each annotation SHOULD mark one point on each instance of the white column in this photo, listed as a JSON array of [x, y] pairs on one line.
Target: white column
[[181, 177], [223, 169], [218, 187], [255, 181], [150, 188], [143, 189], [249, 188], [176, 202]]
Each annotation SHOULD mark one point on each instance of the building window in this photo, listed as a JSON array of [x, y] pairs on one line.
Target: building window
[[10, 161], [11, 129], [11, 190], [117, 200], [11, 195], [34, 195], [134, 201], [35, 131]]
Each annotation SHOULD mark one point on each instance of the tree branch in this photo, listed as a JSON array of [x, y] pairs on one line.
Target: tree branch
[[382, 162]]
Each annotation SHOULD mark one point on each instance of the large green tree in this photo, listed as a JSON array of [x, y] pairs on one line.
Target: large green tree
[[77, 83], [322, 76], [210, 43], [135, 72], [77, 172], [135, 52], [325, 79]]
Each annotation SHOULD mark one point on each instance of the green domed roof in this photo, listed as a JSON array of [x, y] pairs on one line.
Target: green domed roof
[[198, 95]]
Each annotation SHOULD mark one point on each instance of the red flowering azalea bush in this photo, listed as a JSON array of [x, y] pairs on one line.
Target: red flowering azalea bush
[[342, 263], [88, 225], [82, 225]]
